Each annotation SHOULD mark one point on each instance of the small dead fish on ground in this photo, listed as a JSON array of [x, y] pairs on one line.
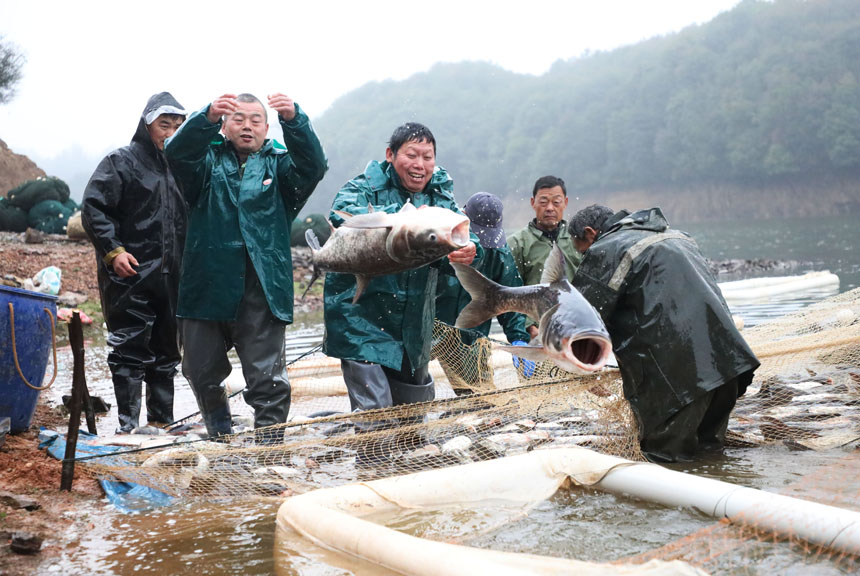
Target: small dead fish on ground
[[829, 442], [379, 243], [773, 429], [736, 439], [457, 444], [135, 440], [178, 458], [586, 440], [149, 430], [571, 333]]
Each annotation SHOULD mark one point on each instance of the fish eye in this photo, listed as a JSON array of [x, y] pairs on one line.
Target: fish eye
[[431, 237]]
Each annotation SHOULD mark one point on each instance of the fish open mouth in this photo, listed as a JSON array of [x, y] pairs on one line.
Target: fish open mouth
[[460, 234], [590, 353]]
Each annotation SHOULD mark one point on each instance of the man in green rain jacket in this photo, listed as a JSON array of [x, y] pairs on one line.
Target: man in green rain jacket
[[383, 341], [683, 362], [237, 275], [531, 245]]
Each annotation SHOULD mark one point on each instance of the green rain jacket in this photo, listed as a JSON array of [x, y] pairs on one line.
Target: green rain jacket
[[671, 329], [497, 265], [395, 312], [531, 248], [230, 214]]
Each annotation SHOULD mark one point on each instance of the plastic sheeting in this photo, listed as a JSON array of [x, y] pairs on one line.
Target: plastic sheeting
[[125, 496]]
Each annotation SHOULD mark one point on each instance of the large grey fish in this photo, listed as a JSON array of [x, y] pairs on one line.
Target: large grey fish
[[378, 243], [571, 333]]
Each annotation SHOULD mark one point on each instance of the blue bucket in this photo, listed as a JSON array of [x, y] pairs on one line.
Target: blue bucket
[[27, 337]]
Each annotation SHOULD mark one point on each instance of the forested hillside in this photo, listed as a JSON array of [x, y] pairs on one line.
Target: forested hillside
[[758, 107]]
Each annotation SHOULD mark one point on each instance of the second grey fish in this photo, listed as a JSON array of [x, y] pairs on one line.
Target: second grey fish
[[571, 333]]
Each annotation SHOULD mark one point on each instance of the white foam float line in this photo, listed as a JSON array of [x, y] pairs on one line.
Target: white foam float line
[[331, 517], [828, 526], [755, 288]]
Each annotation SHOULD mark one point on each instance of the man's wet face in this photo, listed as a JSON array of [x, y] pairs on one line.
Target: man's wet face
[[246, 128], [163, 128], [414, 164], [549, 205]]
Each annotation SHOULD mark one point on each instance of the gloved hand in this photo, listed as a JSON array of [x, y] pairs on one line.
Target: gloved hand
[[528, 365]]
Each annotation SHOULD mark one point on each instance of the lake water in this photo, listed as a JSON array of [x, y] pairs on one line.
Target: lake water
[[238, 538]]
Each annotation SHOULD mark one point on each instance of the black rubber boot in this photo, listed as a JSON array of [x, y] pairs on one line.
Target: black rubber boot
[[127, 386], [159, 401]]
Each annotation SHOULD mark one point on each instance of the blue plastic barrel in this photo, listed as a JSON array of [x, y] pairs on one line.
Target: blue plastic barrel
[[26, 346]]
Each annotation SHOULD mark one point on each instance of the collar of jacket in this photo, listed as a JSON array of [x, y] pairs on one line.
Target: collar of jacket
[[268, 147], [380, 175], [562, 230], [651, 219]]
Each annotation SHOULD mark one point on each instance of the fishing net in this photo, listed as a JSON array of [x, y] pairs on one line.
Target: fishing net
[[804, 397]]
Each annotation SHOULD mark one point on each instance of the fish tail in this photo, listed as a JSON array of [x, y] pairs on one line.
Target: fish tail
[[483, 292]]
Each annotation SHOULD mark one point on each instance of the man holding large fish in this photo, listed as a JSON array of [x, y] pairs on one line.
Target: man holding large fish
[[395, 223]]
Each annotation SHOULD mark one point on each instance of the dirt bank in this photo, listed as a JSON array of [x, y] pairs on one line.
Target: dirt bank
[[30, 499]]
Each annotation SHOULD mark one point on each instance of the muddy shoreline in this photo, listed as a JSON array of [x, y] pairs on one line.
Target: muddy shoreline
[[31, 504], [32, 507]]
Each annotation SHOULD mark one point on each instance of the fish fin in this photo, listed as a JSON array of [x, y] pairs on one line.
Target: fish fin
[[312, 240], [314, 245], [533, 353], [370, 220], [361, 283], [554, 269], [408, 207], [331, 226], [482, 291], [344, 215], [544, 319]]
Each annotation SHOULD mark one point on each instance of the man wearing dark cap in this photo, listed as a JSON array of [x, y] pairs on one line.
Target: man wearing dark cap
[[485, 214], [135, 216]]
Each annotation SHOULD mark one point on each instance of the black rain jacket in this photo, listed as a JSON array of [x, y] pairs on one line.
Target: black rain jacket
[[133, 202], [672, 332]]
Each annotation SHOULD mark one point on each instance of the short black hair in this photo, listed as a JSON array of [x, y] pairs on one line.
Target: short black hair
[[410, 132], [594, 216], [548, 182], [249, 99]]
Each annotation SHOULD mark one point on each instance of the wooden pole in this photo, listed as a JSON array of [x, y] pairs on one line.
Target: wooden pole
[[88, 402], [79, 384]]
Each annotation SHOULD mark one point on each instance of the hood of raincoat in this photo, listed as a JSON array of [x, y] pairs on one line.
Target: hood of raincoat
[[158, 104], [671, 329]]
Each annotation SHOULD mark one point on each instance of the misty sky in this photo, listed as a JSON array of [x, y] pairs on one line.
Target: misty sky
[[91, 65]]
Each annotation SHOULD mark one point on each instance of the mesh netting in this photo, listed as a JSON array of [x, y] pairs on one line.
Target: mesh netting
[[804, 396]]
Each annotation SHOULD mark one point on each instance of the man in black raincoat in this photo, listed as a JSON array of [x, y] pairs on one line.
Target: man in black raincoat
[[135, 216], [682, 360]]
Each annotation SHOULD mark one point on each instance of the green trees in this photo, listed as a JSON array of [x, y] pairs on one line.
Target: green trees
[[766, 92], [11, 63]]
